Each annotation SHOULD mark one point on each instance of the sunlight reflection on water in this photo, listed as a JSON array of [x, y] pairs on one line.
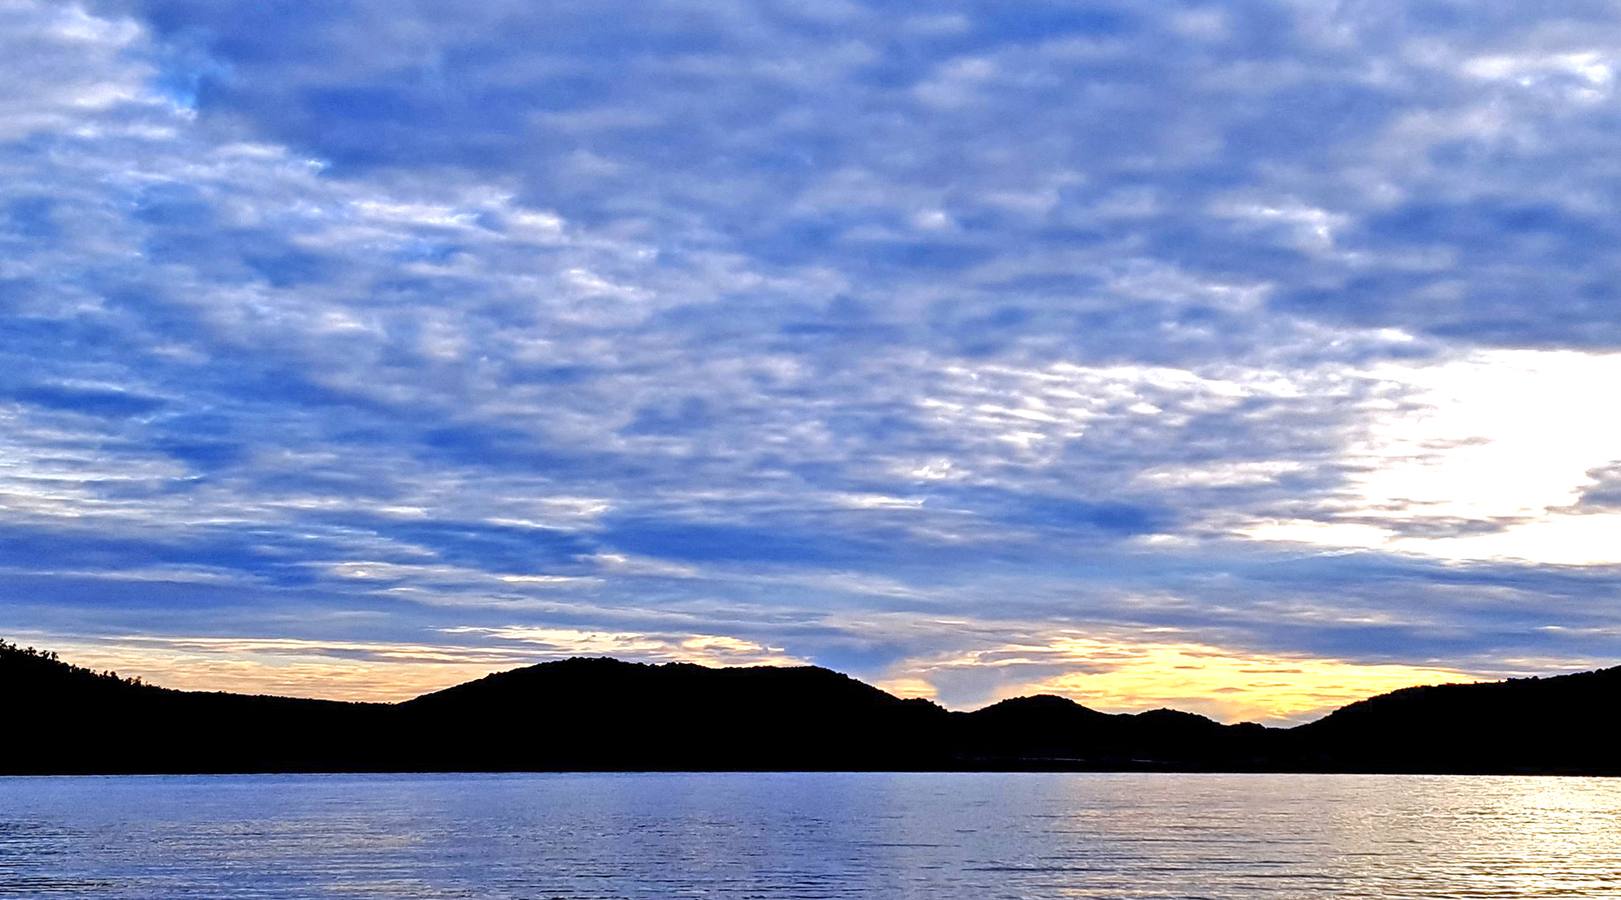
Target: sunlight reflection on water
[[810, 835]]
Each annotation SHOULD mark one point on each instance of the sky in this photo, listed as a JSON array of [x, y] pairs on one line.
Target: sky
[[1247, 358]]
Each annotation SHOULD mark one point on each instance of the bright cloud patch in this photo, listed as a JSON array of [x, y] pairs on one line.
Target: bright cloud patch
[[1483, 458]]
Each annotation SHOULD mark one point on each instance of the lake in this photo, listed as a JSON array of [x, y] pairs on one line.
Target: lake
[[934, 836]]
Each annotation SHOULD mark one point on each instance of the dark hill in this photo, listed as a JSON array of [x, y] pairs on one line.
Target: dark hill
[[605, 714], [64, 718], [1566, 723], [1055, 732]]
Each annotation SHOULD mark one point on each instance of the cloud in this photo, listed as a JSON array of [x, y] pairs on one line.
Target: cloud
[[1486, 460], [1603, 491], [705, 649], [1274, 323]]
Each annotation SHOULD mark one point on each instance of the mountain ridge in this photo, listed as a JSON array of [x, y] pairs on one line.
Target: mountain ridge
[[597, 713]]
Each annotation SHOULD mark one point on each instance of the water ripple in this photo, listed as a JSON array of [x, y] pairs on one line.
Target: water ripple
[[639, 837]]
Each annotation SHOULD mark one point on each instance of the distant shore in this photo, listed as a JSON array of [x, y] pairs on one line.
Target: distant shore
[[597, 715]]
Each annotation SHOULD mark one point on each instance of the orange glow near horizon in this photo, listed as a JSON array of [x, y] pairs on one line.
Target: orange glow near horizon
[[1131, 676], [1108, 675], [1234, 688], [324, 670], [375, 671]]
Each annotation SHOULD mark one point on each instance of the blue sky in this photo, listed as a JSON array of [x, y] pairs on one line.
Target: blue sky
[[1244, 357]]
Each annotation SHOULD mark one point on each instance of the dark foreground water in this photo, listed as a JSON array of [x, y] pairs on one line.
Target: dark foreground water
[[809, 835]]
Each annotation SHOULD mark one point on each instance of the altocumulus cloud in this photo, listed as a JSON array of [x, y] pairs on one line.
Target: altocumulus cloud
[[359, 348]]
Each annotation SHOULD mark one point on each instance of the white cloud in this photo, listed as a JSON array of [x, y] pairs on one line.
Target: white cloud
[[1502, 439], [705, 649], [1224, 474]]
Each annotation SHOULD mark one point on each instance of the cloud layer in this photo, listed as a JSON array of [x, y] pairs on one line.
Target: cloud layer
[[897, 342]]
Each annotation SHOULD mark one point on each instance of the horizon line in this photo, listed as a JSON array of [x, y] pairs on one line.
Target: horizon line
[[142, 681]]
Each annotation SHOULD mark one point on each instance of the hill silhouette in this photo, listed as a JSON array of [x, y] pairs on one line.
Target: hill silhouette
[[1565, 723], [606, 714], [603, 714]]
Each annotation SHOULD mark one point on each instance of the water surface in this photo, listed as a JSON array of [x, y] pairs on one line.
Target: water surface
[[971, 836]]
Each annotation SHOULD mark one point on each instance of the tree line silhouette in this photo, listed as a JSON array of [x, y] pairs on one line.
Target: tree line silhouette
[[49, 662], [603, 714]]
